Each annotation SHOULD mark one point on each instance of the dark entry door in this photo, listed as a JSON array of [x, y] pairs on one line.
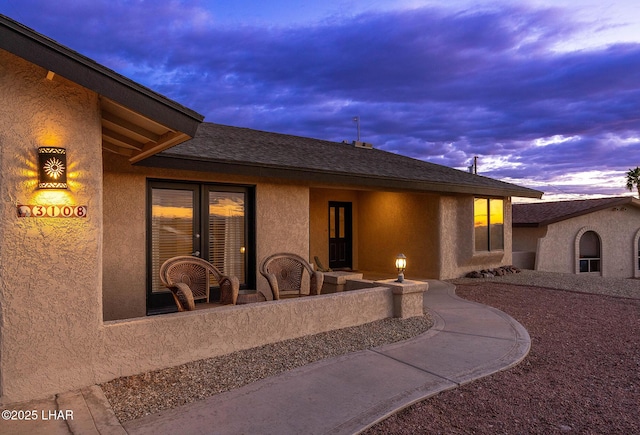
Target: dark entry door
[[340, 240]]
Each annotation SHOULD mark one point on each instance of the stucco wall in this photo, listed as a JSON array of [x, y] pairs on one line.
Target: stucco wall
[[526, 238], [617, 231], [391, 223], [319, 222], [435, 232], [124, 254], [150, 343], [525, 245], [457, 238], [50, 268], [282, 223]]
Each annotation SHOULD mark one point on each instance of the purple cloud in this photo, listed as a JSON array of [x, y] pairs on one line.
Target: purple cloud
[[431, 83]]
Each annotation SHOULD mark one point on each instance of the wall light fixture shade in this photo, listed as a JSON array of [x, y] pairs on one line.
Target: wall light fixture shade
[[401, 265], [52, 168]]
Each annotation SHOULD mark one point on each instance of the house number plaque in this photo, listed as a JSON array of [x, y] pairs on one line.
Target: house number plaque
[[52, 211]]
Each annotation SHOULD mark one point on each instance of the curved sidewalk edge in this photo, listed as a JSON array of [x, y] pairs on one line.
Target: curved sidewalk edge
[[468, 341], [347, 394]]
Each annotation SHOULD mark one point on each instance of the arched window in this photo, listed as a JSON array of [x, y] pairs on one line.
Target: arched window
[[589, 252]]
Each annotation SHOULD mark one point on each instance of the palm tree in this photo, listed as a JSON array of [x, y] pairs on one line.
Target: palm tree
[[633, 179]]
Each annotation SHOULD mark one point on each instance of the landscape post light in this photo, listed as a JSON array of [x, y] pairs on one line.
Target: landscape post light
[[401, 265]]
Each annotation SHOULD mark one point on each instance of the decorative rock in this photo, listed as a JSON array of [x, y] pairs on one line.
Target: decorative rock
[[490, 273]]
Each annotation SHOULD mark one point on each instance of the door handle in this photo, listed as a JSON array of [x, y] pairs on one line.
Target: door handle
[[196, 253]]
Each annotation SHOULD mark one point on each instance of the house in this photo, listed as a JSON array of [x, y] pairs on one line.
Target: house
[[595, 236], [148, 179]]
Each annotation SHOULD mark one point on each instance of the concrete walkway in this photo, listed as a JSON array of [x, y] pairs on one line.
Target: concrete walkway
[[342, 395]]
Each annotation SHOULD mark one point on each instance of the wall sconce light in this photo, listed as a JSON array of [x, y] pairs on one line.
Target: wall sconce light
[[401, 265], [52, 168]]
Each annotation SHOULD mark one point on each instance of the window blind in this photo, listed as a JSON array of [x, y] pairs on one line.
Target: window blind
[[171, 228], [227, 244]]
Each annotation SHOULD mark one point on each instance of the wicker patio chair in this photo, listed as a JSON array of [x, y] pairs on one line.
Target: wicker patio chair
[[285, 273], [320, 266], [188, 279]]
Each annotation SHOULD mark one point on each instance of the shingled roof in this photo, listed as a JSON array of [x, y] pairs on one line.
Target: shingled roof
[[545, 213], [226, 149]]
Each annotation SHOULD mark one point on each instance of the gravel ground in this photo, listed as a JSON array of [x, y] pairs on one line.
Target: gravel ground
[[582, 374], [133, 397], [628, 288]]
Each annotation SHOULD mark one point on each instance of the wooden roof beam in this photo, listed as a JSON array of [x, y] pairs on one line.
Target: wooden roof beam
[[167, 140], [113, 148], [120, 139], [109, 119]]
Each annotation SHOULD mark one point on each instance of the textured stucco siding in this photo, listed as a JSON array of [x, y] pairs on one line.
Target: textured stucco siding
[[457, 239], [50, 274], [319, 222], [124, 259], [282, 224], [618, 231], [391, 223], [526, 238], [525, 245], [150, 343]]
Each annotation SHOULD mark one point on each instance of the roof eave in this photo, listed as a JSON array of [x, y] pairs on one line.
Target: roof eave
[[46, 53], [527, 225], [622, 201], [171, 161]]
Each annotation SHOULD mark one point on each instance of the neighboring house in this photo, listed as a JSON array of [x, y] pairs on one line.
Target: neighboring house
[[157, 182], [597, 236]]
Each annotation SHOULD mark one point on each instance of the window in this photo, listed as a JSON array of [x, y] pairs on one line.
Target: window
[[488, 224], [214, 222], [589, 252], [226, 236]]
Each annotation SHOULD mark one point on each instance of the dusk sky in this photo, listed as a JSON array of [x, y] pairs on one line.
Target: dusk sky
[[546, 93]]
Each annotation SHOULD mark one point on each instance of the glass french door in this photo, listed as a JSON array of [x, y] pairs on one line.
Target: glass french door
[[203, 220], [173, 230], [226, 232]]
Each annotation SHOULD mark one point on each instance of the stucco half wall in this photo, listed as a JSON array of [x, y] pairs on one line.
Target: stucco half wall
[[126, 347], [150, 343]]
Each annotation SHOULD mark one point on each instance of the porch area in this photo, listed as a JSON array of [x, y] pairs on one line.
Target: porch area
[[335, 283], [149, 343]]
